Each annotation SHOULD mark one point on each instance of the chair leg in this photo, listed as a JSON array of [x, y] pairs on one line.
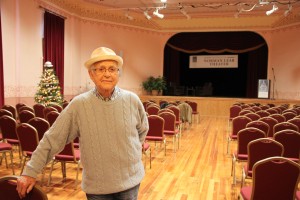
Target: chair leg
[[78, 166], [51, 169], [23, 164], [233, 169], [11, 161]]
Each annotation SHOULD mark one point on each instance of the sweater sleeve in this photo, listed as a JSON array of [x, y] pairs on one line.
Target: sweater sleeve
[[143, 126], [63, 131]]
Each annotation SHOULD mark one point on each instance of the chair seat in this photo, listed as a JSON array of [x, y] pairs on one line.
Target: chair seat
[[154, 138], [241, 156], [166, 132], [233, 137], [5, 146], [195, 112], [69, 158], [13, 141], [246, 192], [298, 195], [146, 146]]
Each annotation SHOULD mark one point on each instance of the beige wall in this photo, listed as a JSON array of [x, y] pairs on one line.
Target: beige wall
[[142, 51]]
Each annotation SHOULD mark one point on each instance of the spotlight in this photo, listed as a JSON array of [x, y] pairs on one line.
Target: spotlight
[[128, 16], [157, 14], [288, 11], [263, 2], [163, 1], [147, 15], [185, 13], [274, 9]]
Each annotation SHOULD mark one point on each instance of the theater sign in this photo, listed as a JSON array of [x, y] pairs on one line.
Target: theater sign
[[214, 61]]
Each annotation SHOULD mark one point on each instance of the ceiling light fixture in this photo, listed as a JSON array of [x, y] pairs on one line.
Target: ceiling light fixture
[[147, 15], [274, 9], [157, 14]]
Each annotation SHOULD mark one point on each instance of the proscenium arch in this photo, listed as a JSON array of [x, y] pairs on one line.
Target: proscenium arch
[[252, 51]]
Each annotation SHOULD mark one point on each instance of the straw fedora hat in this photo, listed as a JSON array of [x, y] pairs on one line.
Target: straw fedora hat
[[103, 53]]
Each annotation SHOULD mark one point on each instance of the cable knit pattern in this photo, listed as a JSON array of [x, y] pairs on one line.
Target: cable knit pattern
[[110, 135]]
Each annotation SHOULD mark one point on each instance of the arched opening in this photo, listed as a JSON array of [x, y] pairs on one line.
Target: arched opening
[[249, 48]]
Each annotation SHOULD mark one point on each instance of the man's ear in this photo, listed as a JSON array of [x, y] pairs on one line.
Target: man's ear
[[120, 72]]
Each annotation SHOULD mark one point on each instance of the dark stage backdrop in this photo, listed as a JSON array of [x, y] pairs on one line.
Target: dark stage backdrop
[[252, 53]]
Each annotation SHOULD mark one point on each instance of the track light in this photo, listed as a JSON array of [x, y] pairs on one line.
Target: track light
[[288, 11], [274, 9], [128, 16], [147, 15], [157, 14], [263, 2], [185, 13]]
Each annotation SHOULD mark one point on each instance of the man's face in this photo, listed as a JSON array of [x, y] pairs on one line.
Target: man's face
[[105, 75]]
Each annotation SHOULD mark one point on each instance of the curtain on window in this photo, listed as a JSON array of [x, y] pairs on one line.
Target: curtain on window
[[54, 27], [1, 69]]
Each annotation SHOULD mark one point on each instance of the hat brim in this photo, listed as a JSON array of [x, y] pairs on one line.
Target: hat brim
[[116, 58]]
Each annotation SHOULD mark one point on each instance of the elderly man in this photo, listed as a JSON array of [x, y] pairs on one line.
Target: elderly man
[[111, 125]]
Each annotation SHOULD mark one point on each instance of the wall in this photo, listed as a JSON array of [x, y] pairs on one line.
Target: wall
[[142, 51]]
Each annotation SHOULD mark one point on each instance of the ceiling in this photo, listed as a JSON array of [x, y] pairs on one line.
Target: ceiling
[[185, 15]]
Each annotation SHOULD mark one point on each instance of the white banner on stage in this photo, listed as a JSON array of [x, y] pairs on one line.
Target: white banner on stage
[[214, 61]]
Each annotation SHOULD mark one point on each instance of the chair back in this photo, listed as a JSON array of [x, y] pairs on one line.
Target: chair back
[[279, 117], [65, 104], [239, 123], [289, 115], [262, 113], [176, 111], [152, 110], [194, 106], [165, 110], [19, 105], [260, 149], [170, 121], [68, 153], [271, 122], [28, 138], [272, 111], [5, 112], [253, 116], [259, 125], [290, 110], [256, 108], [295, 121], [11, 109], [8, 185], [25, 115], [234, 111], [26, 108], [47, 110], [264, 107], [245, 136], [8, 128], [156, 126], [245, 111], [57, 107], [51, 117], [275, 178], [290, 139], [40, 124], [39, 110], [285, 125]]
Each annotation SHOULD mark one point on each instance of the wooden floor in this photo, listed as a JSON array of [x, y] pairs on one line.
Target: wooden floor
[[200, 169]]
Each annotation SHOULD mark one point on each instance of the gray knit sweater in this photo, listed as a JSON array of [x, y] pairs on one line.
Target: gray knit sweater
[[110, 135]]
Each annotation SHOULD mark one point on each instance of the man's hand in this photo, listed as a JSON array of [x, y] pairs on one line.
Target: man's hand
[[25, 185]]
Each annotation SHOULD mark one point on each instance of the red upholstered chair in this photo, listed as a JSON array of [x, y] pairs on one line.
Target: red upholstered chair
[[271, 122], [264, 107], [8, 127], [26, 108], [8, 185], [256, 108], [253, 116], [29, 140], [279, 117], [68, 154], [244, 112], [295, 121], [51, 117], [234, 112], [195, 112], [289, 110], [11, 109], [285, 125], [156, 130], [289, 115], [5, 112], [290, 139], [259, 125], [19, 105], [165, 110], [178, 122], [7, 148], [65, 104], [146, 149], [57, 107], [25, 115], [262, 113], [152, 110], [245, 136], [40, 124], [260, 149], [238, 123], [170, 127], [273, 178], [47, 110], [39, 110], [272, 111]]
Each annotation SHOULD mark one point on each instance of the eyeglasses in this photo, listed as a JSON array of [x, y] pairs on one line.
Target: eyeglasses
[[102, 70]]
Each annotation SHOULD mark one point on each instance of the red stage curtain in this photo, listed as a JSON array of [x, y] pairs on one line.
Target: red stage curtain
[[54, 30], [1, 69]]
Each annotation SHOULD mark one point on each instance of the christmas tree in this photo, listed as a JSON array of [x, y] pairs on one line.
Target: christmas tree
[[48, 89]]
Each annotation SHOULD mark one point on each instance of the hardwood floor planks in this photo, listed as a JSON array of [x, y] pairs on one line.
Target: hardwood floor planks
[[199, 169]]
